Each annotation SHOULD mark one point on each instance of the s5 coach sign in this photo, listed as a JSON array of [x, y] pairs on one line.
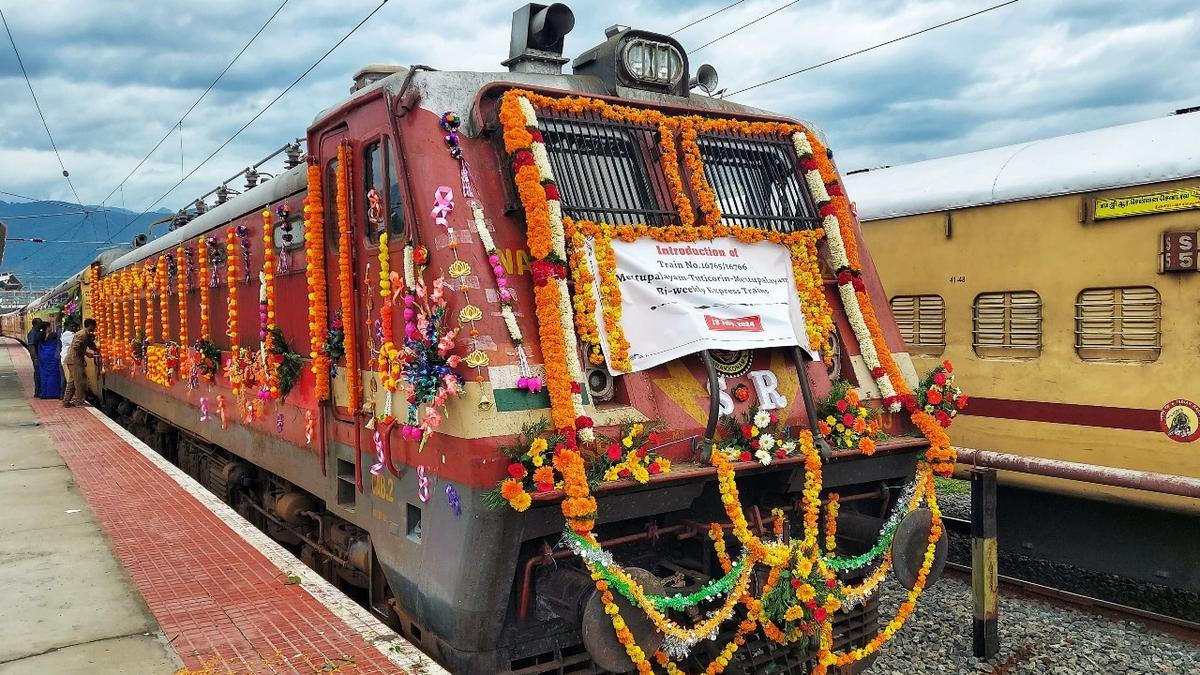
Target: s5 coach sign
[[679, 299]]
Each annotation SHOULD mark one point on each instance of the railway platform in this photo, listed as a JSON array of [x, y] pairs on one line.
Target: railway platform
[[115, 561]]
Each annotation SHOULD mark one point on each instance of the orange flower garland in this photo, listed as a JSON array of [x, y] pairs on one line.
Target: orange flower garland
[[231, 281], [181, 281], [695, 165], [610, 306], [269, 270], [148, 281], [670, 165], [314, 274], [138, 285], [164, 299], [346, 281], [202, 253], [584, 302]]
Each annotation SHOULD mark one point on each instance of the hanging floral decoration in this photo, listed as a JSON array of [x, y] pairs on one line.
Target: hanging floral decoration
[[148, 279], [243, 235], [460, 280], [181, 289], [756, 436], [846, 422], [314, 275], [284, 259], [631, 454], [138, 333], [547, 244], [428, 370], [164, 298], [346, 278], [266, 293], [231, 282], [158, 370], [202, 246]]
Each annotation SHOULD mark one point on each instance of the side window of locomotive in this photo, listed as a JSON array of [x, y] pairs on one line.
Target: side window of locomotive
[[607, 172], [395, 207], [373, 195], [329, 187], [756, 181]]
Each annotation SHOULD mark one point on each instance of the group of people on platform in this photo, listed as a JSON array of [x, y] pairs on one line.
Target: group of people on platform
[[60, 359]]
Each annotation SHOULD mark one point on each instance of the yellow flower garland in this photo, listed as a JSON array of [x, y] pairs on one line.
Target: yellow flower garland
[[181, 284], [231, 281], [202, 254]]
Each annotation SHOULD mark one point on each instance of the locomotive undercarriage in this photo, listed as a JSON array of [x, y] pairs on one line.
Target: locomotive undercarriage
[[549, 628]]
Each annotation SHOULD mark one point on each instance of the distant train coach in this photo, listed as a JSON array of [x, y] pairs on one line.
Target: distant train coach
[[1061, 277]]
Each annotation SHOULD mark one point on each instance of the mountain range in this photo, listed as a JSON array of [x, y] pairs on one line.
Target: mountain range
[[73, 237]]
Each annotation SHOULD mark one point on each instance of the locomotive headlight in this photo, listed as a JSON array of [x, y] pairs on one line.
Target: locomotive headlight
[[650, 62]]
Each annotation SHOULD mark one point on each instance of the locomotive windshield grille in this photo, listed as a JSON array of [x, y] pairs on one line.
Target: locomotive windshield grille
[[756, 181], [607, 172]]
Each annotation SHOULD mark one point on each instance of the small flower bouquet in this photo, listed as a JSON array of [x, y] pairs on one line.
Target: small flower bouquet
[[846, 422], [630, 456], [938, 395], [758, 435]]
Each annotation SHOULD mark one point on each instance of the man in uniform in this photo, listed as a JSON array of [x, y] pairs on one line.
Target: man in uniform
[[82, 346]]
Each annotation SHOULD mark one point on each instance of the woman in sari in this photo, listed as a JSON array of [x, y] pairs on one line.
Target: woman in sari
[[49, 365]]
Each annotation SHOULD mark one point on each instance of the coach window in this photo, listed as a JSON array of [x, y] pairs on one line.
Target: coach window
[[1118, 324], [922, 323], [1007, 324]]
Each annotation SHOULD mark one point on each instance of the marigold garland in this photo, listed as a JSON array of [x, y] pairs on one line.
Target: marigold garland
[[202, 254], [314, 275], [164, 298], [181, 281], [231, 281], [148, 280], [346, 280]]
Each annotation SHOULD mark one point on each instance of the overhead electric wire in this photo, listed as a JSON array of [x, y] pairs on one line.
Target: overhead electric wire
[[745, 25], [706, 17], [872, 47], [254, 118], [45, 215], [198, 100], [35, 199], [20, 62]]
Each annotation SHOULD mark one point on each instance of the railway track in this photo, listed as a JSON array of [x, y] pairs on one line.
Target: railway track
[[1176, 626]]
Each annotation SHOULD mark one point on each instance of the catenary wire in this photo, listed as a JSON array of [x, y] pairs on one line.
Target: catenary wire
[[706, 17], [197, 101], [20, 62], [745, 25], [252, 119], [872, 47]]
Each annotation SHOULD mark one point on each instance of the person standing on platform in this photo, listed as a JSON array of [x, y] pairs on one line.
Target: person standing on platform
[[82, 346], [68, 334], [49, 366], [33, 341]]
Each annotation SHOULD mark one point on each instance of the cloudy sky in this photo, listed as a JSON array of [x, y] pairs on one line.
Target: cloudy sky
[[114, 76]]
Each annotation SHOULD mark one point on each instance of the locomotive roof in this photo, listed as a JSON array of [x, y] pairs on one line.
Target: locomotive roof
[[442, 90], [1162, 149], [287, 183]]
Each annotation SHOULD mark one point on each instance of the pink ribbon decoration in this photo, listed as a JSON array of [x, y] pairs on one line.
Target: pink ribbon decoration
[[422, 483], [443, 204], [308, 427], [378, 466], [203, 409], [221, 411], [279, 424]]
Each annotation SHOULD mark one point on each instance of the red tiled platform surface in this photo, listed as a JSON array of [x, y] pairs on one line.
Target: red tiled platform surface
[[223, 605]]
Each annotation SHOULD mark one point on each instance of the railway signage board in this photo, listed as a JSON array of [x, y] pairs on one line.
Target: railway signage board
[[1147, 204], [683, 298], [1179, 251]]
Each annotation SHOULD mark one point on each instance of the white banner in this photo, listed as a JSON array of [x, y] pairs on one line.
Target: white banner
[[679, 299]]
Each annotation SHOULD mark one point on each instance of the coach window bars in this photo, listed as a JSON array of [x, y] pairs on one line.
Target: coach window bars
[[607, 172], [1118, 324], [1007, 324], [922, 323], [756, 181]]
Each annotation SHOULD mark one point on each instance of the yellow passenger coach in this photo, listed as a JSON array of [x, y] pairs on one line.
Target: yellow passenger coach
[[1060, 277]]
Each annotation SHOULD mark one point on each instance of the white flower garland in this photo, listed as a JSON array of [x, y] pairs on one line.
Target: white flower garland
[[840, 260], [558, 243], [506, 306]]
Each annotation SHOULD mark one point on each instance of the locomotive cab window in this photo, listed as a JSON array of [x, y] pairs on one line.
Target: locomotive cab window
[[755, 182], [602, 170], [381, 204], [1007, 324], [1118, 324], [922, 323], [330, 189]]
